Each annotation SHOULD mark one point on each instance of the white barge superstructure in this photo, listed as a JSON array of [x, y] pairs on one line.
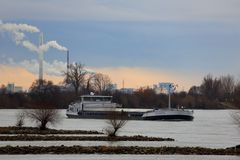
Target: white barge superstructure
[[99, 107]]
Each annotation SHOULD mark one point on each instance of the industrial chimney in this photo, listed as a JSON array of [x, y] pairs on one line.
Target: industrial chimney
[[40, 59], [67, 66]]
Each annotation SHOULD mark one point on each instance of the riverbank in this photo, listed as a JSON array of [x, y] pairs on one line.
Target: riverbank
[[117, 150], [34, 134], [35, 130], [82, 138]]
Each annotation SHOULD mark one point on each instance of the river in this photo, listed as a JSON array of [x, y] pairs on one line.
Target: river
[[210, 128]]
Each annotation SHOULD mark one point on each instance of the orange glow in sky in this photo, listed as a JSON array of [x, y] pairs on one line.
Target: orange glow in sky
[[132, 77]]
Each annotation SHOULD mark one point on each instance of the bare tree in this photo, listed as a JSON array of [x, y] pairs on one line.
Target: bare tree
[[236, 94], [89, 81], [194, 91], [75, 76], [20, 119], [210, 87], [227, 86], [3, 89], [43, 117], [46, 94], [115, 120], [101, 83]]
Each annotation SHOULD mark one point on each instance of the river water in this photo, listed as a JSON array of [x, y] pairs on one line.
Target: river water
[[210, 128]]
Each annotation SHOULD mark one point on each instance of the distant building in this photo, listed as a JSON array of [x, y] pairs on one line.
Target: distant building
[[18, 89], [11, 88], [127, 90], [114, 87]]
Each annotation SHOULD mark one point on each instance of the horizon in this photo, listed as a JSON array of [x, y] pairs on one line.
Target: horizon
[[140, 42]]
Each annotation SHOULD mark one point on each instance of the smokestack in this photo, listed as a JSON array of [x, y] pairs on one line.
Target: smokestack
[[40, 58], [67, 65]]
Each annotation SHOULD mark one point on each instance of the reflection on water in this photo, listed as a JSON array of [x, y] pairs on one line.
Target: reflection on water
[[116, 157], [210, 128]]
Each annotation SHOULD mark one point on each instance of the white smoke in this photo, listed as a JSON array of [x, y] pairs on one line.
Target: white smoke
[[18, 27], [17, 30], [43, 48], [52, 44], [18, 34], [54, 68], [30, 46]]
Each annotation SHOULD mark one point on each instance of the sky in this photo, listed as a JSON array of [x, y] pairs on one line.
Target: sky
[[142, 42]]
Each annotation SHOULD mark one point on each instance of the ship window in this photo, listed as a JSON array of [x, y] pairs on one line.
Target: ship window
[[97, 99]]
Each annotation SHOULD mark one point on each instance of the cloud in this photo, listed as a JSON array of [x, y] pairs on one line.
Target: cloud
[[54, 68], [21, 77], [139, 77], [131, 10], [133, 77]]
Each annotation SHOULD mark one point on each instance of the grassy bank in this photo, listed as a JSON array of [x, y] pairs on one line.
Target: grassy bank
[[82, 138], [34, 130]]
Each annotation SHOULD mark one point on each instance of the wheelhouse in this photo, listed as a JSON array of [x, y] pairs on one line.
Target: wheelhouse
[[97, 99]]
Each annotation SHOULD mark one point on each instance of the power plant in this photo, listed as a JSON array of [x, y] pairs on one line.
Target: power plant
[[18, 35], [42, 48]]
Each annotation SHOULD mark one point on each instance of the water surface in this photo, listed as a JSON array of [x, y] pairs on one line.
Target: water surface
[[210, 128]]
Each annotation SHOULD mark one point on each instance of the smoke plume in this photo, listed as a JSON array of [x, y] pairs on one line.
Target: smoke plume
[[17, 30], [18, 27], [30, 46], [52, 44], [43, 48], [18, 34]]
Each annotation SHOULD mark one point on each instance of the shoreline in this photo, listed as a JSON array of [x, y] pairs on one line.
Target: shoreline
[[82, 138], [35, 130], [34, 134], [118, 150]]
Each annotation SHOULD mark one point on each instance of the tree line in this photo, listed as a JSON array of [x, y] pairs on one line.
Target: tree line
[[214, 92]]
